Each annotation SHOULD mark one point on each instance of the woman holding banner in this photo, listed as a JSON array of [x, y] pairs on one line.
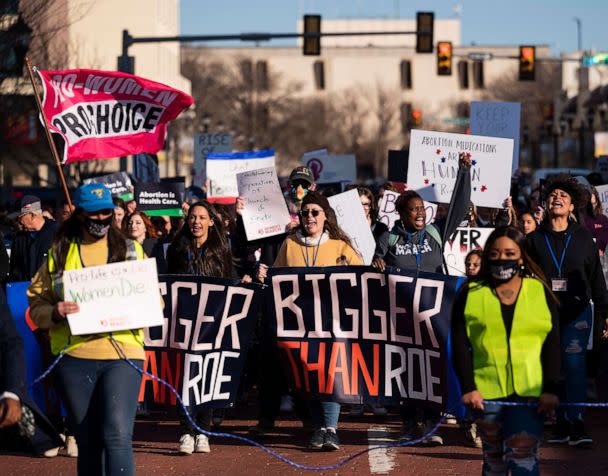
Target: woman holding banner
[[318, 241], [505, 340], [99, 387], [200, 248], [412, 244], [569, 255]]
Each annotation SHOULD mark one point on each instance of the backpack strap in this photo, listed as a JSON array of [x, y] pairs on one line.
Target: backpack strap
[[393, 238], [434, 233]]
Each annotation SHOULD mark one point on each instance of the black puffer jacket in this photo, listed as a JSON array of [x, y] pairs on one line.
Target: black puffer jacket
[[29, 251]]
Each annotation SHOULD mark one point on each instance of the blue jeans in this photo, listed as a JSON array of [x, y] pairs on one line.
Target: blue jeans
[[101, 399], [324, 414], [574, 337], [510, 437]]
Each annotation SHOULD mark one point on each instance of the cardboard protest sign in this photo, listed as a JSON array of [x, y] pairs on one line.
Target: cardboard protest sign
[[351, 218], [107, 114], [113, 297], [205, 144], [460, 244], [498, 119], [223, 167], [602, 191], [387, 213], [265, 212], [331, 168], [433, 166], [202, 350], [119, 184], [357, 335], [160, 199]]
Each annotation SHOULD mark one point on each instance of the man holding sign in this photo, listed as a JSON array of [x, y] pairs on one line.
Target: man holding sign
[[99, 387]]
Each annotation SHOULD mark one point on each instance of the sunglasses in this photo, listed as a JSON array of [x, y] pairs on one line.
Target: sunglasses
[[314, 213]]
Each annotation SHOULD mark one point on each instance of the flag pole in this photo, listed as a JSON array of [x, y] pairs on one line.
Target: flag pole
[[48, 133]]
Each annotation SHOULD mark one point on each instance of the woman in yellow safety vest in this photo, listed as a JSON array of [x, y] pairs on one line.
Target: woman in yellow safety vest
[[506, 347], [99, 387]]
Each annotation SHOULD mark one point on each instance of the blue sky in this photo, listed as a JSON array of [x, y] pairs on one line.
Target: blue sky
[[483, 22]]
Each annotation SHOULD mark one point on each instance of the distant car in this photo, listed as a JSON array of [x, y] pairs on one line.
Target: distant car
[[543, 174]]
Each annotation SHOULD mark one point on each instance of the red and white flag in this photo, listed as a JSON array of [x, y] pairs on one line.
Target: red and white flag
[[105, 114]]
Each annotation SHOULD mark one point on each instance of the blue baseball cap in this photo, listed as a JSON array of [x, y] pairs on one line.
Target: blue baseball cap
[[94, 197]]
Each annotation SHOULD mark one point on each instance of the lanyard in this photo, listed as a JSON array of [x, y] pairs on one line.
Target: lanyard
[[419, 251], [315, 254], [561, 260]]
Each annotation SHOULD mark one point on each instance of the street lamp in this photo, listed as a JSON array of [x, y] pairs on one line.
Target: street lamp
[[579, 33]]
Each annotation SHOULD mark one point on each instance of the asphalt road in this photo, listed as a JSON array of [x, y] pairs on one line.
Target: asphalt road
[[155, 446]]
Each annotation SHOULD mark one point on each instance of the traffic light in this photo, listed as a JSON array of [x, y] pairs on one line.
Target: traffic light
[[527, 63], [312, 44], [444, 58], [416, 118], [425, 22]]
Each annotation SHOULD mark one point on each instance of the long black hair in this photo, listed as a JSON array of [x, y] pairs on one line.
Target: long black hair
[[71, 230], [183, 257]]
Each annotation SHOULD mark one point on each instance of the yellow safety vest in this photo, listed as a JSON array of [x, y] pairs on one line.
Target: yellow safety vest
[[60, 335], [502, 366]]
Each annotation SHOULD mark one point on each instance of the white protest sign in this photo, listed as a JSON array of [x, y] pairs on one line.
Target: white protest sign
[[433, 166], [331, 168], [460, 244], [602, 191], [351, 218], [114, 297], [205, 144], [498, 119], [601, 143], [223, 167], [265, 212], [387, 213]]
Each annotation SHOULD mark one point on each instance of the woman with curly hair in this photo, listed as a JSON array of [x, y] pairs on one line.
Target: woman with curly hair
[[570, 258], [200, 248]]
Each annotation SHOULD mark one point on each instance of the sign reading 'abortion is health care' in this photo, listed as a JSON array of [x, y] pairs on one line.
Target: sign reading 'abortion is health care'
[[433, 166], [356, 335]]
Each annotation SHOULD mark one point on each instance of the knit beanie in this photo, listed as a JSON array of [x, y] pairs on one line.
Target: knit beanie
[[317, 199]]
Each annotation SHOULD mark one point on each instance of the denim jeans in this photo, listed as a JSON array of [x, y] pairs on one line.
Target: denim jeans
[[101, 399], [324, 414], [510, 437], [574, 337]]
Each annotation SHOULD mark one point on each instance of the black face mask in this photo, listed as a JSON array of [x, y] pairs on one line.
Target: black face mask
[[98, 228], [503, 270]]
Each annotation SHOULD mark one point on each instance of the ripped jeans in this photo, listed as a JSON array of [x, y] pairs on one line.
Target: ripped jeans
[[510, 437], [574, 337]]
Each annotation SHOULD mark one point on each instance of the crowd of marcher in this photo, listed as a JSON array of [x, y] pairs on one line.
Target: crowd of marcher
[[534, 298]]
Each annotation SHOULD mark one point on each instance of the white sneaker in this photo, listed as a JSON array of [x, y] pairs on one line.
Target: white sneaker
[[71, 448], [201, 444], [186, 444], [53, 451]]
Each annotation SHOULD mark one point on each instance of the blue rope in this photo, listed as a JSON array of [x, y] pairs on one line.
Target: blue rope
[[273, 453]]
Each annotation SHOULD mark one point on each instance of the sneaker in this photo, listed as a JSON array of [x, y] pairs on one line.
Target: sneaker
[[317, 440], [357, 410], [53, 452], [379, 410], [71, 448], [331, 442], [408, 432], [449, 419], [433, 440], [201, 444], [579, 437], [262, 428], [186, 444], [470, 433], [424, 428], [561, 433]]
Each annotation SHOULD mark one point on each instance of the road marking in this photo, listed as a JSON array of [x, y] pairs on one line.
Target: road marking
[[381, 461]]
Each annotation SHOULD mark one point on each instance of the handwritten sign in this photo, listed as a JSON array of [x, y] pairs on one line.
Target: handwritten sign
[[205, 144], [602, 191], [119, 184], [460, 244], [265, 212], [223, 167], [498, 119], [388, 215], [114, 297], [331, 168], [433, 166], [351, 218]]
